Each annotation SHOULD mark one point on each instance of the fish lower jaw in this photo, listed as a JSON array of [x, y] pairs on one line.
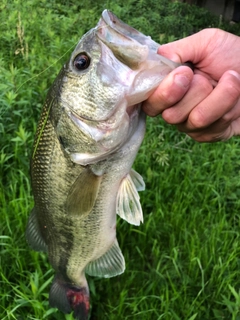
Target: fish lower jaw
[[92, 131], [96, 130], [88, 158]]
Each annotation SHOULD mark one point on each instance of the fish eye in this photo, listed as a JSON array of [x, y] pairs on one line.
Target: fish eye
[[81, 61]]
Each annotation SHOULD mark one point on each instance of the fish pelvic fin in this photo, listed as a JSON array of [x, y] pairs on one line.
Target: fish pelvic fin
[[110, 264], [33, 233], [128, 200], [68, 297]]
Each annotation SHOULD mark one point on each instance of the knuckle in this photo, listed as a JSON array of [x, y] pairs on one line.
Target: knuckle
[[232, 89], [204, 85], [197, 119], [196, 137], [167, 97], [201, 137], [226, 118], [170, 116], [150, 110]]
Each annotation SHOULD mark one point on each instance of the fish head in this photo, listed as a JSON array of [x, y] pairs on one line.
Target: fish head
[[111, 71]]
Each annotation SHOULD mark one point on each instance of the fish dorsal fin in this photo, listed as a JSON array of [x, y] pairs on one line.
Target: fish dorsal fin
[[128, 204], [83, 193], [33, 233], [137, 180], [109, 265]]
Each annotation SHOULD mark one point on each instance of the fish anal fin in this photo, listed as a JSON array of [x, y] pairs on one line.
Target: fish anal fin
[[128, 200], [111, 264], [33, 233], [83, 193]]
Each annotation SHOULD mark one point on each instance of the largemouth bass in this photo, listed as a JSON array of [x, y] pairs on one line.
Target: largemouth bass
[[89, 133]]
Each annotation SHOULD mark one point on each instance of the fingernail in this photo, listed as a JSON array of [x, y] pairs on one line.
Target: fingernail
[[235, 74], [182, 80]]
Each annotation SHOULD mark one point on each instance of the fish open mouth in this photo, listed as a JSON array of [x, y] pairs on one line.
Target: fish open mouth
[[121, 40], [128, 44], [129, 32]]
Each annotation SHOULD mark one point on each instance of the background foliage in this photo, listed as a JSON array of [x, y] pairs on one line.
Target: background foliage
[[184, 261]]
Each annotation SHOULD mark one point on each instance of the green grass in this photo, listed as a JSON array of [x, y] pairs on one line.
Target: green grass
[[183, 263]]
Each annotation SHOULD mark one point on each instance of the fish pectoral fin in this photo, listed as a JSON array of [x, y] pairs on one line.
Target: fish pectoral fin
[[83, 193], [128, 200], [111, 264], [33, 233]]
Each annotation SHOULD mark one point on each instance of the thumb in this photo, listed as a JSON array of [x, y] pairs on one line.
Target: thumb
[[192, 48]]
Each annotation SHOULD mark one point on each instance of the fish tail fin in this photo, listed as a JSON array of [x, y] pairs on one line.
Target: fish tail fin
[[68, 297]]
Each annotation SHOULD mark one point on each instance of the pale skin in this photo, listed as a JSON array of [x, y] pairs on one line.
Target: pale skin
[[205, 103]]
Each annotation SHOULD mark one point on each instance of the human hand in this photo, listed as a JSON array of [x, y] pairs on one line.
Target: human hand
[[206, 104]]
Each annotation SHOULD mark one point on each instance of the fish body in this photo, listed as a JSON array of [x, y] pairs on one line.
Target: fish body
[[89, 133]]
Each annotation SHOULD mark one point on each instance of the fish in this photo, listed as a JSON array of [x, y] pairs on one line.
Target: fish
[[88, 135]]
